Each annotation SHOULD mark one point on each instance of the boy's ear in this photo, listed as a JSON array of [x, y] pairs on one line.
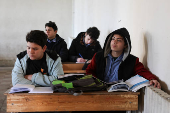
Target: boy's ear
[[85, 34], [44, 48], [55, 31]]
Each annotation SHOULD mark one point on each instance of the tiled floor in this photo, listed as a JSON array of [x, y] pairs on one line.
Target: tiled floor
[[5, 84]]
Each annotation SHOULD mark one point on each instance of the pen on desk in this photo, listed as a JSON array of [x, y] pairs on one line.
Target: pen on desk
[[80, 55]]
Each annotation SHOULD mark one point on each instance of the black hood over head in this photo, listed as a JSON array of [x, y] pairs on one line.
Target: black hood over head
[[125, 34]]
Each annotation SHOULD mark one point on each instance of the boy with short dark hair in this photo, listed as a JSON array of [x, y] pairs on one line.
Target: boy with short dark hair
[[36, 65], [55, 42], [85, 45]]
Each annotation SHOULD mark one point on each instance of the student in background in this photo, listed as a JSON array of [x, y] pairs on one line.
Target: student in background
[[55, 42], [36, 65], [115, 61], [84, 46]]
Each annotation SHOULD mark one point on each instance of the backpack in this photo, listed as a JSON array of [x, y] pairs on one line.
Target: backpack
[[76, 85]]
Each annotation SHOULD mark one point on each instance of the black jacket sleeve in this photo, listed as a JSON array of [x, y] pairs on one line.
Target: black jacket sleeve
[[64, 52], [99, 48], [72, 52]]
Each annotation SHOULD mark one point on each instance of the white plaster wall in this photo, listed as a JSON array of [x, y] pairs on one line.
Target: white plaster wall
[[18, 17], [147, 22]]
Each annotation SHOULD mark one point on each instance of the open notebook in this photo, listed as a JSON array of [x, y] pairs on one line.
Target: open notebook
[[30, 89], [132, 84]]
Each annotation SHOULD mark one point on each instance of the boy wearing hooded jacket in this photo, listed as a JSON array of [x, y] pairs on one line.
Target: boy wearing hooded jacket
[[115, 61], [36, 65]]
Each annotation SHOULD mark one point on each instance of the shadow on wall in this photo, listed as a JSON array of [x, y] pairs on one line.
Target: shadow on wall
[[146, 52], [148, 41]]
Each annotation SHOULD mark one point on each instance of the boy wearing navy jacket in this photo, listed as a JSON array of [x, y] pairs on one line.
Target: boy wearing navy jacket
[[55, 42]]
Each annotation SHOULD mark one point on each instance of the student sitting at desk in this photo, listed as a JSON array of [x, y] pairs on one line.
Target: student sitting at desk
[[36, 66], [84, 46], [115, 61], [55, 42]]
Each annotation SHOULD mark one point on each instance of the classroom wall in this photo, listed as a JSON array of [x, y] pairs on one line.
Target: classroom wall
[[18, 17], [147, 22]]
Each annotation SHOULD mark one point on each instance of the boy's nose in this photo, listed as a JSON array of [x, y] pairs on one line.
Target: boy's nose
[[115, 41], [31, 51]]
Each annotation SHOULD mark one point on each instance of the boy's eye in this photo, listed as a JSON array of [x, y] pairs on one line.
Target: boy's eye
[[119, 40]]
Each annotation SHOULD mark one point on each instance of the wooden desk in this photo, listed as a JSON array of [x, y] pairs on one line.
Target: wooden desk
[[89, 101], [72, 67]]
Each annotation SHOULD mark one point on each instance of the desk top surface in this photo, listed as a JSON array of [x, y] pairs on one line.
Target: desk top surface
[[74, 71], [71, 63], [84, 93]]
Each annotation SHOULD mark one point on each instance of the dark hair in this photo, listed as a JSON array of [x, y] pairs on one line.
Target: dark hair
[[37, 36], [51, 24], [93, 32]]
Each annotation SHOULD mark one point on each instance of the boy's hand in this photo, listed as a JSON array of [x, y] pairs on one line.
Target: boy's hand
[[81, 60], [28, 77], [89, 61], [155, 83]]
